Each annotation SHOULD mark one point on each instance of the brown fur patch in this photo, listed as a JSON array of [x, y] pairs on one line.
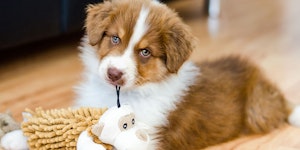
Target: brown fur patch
[[230, 98]]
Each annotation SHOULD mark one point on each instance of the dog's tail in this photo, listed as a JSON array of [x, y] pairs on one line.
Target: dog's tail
[[294, 117]]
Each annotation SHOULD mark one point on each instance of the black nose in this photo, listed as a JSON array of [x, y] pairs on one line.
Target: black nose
[[114, 74]]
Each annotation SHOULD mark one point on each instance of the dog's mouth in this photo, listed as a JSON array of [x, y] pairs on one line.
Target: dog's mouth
[[120, 82]]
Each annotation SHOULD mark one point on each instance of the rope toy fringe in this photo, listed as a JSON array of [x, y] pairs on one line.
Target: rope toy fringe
[[60, 128]]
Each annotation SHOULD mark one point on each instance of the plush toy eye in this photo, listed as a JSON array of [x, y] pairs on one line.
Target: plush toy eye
[[145, 53], [115, 40], [125, 126], [133, 121]]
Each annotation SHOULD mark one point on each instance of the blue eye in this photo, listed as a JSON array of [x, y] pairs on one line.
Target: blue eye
[[145, 53], [115, 40]]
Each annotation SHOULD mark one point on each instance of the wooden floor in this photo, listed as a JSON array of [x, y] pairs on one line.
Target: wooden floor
[[266, 31]]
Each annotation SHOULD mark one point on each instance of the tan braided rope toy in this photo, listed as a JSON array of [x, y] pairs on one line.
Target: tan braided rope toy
[[60, 128]]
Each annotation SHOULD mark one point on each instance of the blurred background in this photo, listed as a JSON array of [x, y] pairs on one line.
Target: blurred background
[[25, 21], [39, 63]]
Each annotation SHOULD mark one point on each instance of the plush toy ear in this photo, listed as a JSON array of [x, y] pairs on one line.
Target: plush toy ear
[[97, 129], [179, 44], [97, 21]]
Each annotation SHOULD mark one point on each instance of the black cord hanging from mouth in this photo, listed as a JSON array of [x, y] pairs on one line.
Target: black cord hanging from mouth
[[118, 96]]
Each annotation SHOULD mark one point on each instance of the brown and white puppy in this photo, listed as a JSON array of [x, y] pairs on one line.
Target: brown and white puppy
[[143, 46]]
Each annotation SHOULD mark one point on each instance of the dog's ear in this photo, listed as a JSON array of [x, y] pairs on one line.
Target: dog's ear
[[97, 21], [179, 44]]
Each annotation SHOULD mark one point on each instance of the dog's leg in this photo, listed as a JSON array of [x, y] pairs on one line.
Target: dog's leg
[[294, 118], [266, 108]]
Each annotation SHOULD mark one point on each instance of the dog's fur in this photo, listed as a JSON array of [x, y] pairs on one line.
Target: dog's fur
[[187, 105]]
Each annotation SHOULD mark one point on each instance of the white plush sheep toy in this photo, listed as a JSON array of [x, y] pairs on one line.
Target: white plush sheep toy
[[117, 127]]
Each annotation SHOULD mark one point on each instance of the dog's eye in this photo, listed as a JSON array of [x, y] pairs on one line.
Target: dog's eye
[[115, 40], [145, 53], [133, 121]]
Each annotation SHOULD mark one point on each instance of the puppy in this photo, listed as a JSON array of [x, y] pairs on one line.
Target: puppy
[[143, 47]]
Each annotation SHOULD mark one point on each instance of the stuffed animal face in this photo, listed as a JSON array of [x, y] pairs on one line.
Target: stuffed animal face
[[118, 127], [114, 121], [7, 124], [126, 122]]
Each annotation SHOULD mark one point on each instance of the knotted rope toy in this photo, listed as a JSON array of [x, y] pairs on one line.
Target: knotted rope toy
[[59, 128]]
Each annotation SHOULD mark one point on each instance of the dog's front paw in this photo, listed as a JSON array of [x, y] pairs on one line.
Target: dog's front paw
[[14, 140], [294, 118]]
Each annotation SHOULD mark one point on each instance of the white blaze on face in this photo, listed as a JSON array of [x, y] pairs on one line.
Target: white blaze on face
[[139, 30], [126, 62]]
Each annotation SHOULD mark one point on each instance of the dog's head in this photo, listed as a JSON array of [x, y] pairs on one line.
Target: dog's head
[[137, 41]]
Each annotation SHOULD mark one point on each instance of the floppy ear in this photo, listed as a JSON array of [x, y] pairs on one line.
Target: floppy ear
[[97, 21], [179, 44]]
